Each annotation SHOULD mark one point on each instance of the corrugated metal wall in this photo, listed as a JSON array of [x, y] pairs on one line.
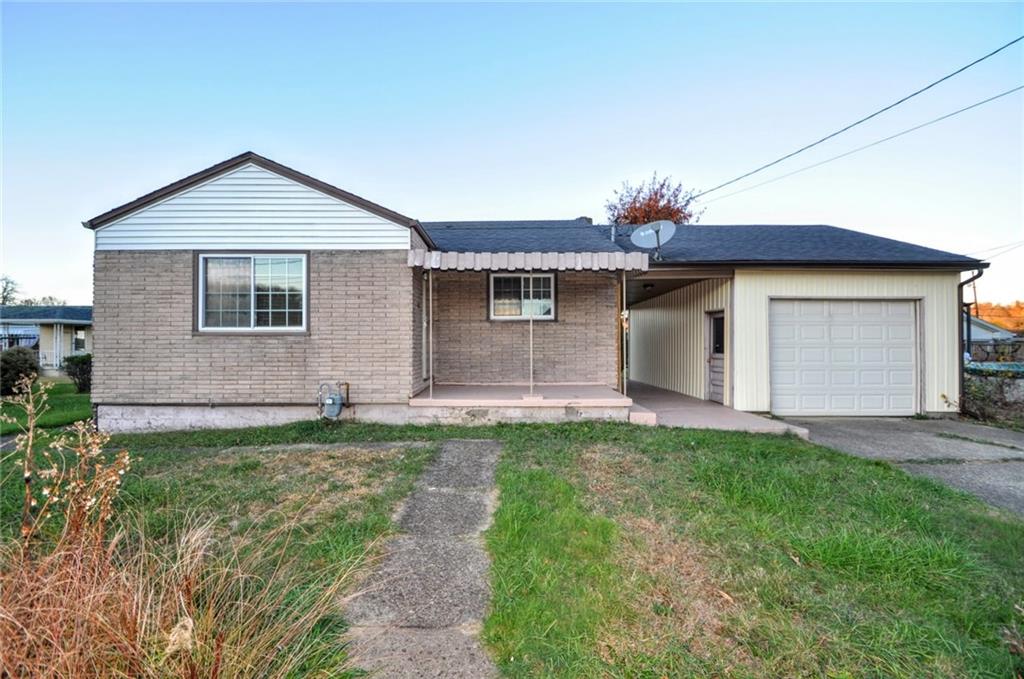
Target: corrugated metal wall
[[667, 337], [937, 292], [252, 208]]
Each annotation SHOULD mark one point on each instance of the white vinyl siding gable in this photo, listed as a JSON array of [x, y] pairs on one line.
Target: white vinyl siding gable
[[252, 208]]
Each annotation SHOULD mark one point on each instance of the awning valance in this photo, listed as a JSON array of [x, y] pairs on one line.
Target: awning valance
[[528, 261]]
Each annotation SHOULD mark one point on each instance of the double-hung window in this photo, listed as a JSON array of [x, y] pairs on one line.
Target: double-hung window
[[522, 296], [262, 293]]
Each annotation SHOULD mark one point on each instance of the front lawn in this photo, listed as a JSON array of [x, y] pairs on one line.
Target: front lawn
[[628, 551], [66, 405], [635, 552]]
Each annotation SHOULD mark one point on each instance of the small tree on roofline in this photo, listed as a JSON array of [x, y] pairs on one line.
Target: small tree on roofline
[[651, 201]]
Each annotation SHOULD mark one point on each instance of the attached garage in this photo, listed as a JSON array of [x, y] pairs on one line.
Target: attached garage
[[843, 357], [819, 342]]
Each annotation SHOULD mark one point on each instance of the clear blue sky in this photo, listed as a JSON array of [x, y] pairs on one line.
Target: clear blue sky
[[499, 111]]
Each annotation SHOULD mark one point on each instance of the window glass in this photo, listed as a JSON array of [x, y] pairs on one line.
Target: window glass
[[523, 296], [508, 297], [279, 282], [227, 302], [254, 291], [541, 300], [718, 335]]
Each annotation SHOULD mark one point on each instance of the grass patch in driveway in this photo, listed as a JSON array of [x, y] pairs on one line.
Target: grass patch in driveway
[[630, 551]]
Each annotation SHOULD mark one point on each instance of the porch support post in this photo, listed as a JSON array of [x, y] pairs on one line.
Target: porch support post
[[531, 330], [430, 328], [625, 351]]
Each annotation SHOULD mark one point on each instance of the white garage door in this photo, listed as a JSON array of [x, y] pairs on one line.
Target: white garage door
[[843, 357]]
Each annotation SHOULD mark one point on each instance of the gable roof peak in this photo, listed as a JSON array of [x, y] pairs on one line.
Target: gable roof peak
[[251, 157]]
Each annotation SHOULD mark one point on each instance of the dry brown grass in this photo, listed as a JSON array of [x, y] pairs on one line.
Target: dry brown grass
[[85, 592], [673, 595]]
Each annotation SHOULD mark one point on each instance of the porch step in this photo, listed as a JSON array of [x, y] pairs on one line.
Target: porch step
[[640, 415]]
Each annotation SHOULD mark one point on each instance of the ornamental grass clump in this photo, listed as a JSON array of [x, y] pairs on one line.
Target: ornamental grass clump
[[84, 591]]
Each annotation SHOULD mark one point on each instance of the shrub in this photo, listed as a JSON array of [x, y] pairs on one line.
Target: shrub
[[16, 363], [84, 591], [79, 369]]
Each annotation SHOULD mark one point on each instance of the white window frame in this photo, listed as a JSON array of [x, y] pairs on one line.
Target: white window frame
[[522, 317], [252, 328]]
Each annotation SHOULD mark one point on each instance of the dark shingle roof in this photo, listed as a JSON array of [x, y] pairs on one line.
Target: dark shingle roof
[[565, 235], [697, 243], [68, 314], [803, 244]]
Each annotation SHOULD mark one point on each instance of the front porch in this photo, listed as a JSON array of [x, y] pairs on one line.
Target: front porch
[[521, 396]]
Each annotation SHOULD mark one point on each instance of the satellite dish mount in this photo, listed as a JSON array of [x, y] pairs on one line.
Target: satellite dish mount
[[653, 235]]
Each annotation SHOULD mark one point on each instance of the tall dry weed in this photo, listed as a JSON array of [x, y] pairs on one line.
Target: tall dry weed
[[85, 592]]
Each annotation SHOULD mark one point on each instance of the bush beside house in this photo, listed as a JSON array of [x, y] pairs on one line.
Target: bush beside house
[[16, 363], [79, 369]]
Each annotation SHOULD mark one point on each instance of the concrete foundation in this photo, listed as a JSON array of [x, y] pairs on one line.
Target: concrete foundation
[[149, 418]]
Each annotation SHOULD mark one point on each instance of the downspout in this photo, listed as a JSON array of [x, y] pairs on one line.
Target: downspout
[[960, 333]]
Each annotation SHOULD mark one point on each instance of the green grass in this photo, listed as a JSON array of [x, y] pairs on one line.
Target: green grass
[[809, 562], [66, 406]]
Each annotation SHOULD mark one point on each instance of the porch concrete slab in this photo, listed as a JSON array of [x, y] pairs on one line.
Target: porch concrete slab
[[673, 409], [519, 396], [404, 653]]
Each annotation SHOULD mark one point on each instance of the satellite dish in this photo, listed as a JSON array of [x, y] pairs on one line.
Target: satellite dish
[[653, 235]]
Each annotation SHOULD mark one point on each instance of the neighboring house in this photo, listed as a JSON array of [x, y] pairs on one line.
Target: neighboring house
[[983, 332], [53, 332], [228, 297]]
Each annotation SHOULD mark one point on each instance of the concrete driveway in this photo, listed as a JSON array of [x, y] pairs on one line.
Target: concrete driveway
[[985, 461]]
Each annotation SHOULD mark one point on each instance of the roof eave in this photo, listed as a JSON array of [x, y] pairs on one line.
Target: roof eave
[[947, 266]]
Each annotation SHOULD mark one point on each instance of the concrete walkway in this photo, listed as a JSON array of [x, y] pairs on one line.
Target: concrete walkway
[[985, 461], [424, 605], [662, 407]]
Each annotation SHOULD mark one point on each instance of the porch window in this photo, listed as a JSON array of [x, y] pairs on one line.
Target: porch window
[[252, 292], [78, 341], [522, 296]]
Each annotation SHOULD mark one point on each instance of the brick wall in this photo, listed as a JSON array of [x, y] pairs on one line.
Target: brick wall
[[145, 350], [578, 347]]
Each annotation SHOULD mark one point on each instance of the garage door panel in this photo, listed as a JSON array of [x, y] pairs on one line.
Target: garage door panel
[[843, 357]]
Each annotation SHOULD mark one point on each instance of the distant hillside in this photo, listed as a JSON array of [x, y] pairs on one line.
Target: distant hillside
[[1009, 316]]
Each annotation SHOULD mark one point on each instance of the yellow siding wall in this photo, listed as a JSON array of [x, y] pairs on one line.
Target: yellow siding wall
[[937, 309], [667, 338]]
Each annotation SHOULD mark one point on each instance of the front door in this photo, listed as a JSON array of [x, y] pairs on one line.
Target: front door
[[716, 356]]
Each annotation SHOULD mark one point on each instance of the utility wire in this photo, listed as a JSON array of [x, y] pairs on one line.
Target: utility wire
[[1000, 254], [867, 146], [997, 247], [862, 120]]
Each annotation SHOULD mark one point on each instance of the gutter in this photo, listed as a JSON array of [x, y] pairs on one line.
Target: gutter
[[960, 331]]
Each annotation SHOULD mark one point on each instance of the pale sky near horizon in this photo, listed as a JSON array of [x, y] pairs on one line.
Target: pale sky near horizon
[[515, 112]]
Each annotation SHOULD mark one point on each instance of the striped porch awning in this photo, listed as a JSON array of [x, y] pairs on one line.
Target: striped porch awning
[[528, 261]]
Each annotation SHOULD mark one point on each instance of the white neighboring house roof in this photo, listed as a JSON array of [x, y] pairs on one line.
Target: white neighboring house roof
[[983, 331]]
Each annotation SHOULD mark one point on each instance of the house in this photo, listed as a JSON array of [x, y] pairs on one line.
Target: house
[[228, 297], [54, 332], [979, 331]]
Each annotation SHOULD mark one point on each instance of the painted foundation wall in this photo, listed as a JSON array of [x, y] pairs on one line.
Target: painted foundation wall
[[936, 293], [668, 338]]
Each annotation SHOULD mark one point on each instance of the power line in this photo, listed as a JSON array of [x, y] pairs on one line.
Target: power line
[[1000, 254], [997, 247], [862, 120], [867, 146]]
